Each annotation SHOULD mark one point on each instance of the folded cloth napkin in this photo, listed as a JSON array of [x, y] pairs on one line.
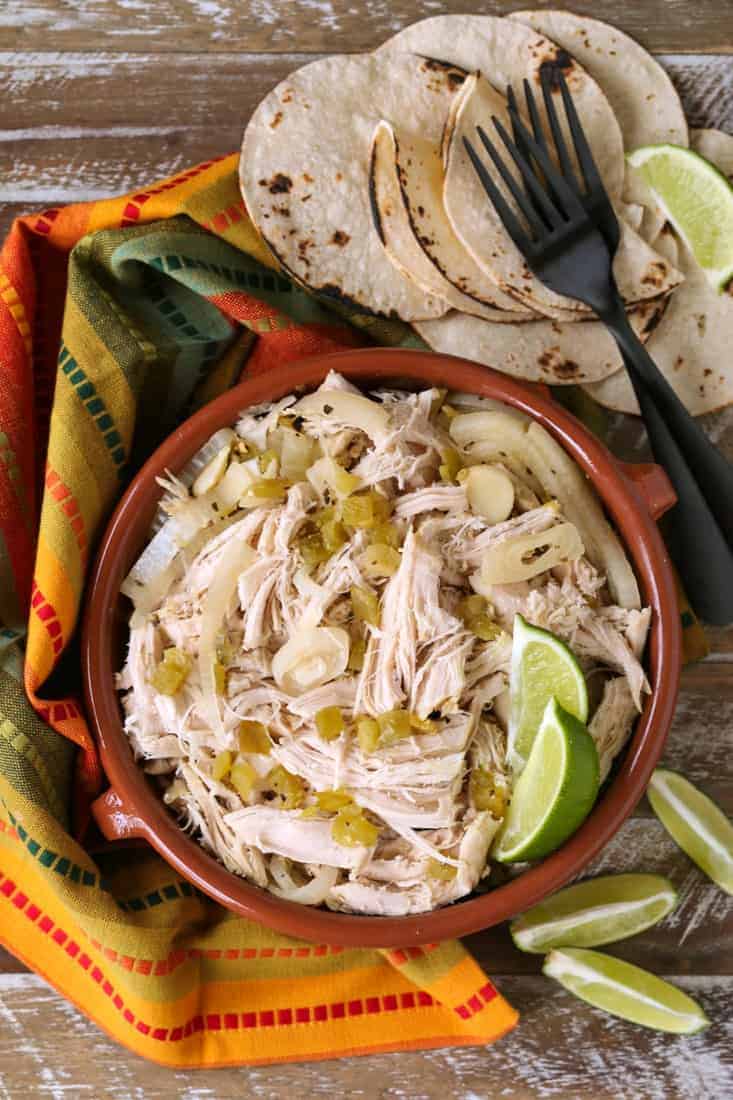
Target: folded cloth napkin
[[117, 319]]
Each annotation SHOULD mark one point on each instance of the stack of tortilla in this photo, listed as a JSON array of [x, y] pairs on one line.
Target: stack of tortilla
[[355, 173]]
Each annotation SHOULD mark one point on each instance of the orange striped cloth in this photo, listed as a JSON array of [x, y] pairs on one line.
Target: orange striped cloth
[[116, 319]]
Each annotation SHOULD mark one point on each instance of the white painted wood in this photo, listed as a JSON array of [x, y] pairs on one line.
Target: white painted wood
[[83, 124], [314, 25], [564, 1050]]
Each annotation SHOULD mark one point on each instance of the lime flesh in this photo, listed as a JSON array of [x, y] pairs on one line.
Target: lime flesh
[[554, 793], [602, 910], [695, 823], [542, 668], [698, 201], [625, 990]]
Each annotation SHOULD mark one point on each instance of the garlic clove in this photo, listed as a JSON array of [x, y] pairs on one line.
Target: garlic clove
[[310, 658], [212, 473], [490, 493]]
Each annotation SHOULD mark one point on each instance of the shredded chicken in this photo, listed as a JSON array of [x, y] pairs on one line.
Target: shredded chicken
[[612, 722], [265, 609]]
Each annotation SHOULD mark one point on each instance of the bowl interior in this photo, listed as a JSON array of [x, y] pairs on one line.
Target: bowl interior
[[106, 628]]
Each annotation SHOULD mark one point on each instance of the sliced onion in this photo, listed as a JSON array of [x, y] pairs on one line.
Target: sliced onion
[[310, 658], [233, 486], [346, 410], [224, 438], [235, 559], [540, 459], [473, 402], [565, 481], [526, 556], [485, 434], [296, 454], [155, 570], [311, 893]]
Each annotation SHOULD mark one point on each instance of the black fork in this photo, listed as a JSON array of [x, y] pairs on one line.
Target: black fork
[[568, 233]]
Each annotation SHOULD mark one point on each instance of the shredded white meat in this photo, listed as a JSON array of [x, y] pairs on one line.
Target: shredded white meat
[[380, 814]]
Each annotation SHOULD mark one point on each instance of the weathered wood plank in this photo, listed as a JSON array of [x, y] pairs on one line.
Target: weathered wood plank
[[316, 25], [562, 1049], [86, 125]]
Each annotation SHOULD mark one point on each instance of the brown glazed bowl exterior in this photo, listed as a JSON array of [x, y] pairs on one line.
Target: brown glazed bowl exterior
[[132, 808]]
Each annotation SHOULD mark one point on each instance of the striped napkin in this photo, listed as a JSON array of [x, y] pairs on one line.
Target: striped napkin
[[117, 319]]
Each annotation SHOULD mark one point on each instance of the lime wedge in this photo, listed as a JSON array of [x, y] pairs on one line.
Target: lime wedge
[[602, 910], [625, 990], [555, 791], [694, 821], [698, 201], [542, 667]]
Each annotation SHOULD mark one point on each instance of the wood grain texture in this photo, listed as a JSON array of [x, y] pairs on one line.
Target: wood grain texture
[[269, 26], [55, 149], [564, 1050]]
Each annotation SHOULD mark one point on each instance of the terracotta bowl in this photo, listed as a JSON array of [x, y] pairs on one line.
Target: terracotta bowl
[[634, 497]]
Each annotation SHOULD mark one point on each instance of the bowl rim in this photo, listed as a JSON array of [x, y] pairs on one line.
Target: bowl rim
[[120, 545]]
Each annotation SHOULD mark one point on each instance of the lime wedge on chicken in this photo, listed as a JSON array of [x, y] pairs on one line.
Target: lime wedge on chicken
[[554, 793], [542, 668]]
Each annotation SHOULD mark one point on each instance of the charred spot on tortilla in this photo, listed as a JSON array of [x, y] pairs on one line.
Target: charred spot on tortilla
[[560, 62], [276, 120], [707, 372], [567, 369], [340, 238], [552, 362], [307, 178], [280, 184], [653, 320], [373, 201], [656, 273], [284, 211], [336, 294], [453, 74]]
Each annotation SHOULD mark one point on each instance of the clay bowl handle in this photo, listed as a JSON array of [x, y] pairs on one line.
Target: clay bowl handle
[[116, 820], [652, 484]]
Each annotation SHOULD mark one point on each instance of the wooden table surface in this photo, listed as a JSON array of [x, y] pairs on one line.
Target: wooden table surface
[[101, 96]]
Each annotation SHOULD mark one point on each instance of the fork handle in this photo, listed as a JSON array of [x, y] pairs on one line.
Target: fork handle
[[699, 529], [713, 473]]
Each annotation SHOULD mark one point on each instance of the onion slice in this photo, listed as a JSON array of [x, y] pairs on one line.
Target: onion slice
[[235, 559], [310, 893], [344, 410]]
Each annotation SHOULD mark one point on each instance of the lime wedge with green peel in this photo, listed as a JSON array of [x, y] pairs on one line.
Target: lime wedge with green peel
[[697, 199], [554, 793], [625, 990], [694, 821], [602, 910], [542, 668]]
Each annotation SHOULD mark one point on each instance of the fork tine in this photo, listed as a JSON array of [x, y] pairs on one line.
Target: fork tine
[[551, 215], [591, 175], [534, 116], [562, 190], [512, 104], [537, 226], [511, 224], [566, 165]]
